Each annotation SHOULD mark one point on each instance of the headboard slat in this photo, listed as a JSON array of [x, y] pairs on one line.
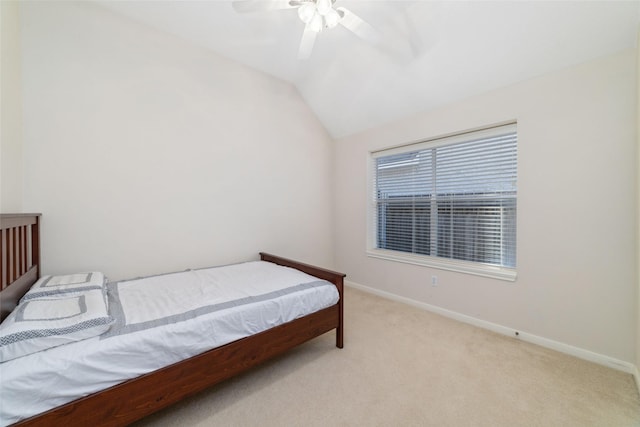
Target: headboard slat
[[21, 249], [25, 247], [12, 255]]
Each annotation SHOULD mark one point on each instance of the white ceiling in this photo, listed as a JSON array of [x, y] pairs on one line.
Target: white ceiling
[[448, 50]]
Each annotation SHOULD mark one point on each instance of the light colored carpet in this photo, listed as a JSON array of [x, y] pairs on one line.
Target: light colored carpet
[[402, 366]]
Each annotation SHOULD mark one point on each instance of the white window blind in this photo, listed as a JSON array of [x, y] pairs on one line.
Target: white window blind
[[453, 198]]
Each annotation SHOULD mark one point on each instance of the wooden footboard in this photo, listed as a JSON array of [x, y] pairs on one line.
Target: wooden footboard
[[321, 273], [136, 398]]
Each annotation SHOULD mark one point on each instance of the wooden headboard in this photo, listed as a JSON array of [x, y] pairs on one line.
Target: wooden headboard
[[19, 258]]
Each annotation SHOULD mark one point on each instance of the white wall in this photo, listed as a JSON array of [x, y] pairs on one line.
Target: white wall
[[10, 108], [576, 209], [638, 214], [146, 154]]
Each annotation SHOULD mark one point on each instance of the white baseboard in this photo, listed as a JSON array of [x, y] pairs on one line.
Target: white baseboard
[[524, 336]]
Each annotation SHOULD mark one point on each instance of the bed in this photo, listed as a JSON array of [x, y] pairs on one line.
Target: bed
[[125, 402]]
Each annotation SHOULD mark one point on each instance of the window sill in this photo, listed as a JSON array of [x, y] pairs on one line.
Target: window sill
[[478, 269]]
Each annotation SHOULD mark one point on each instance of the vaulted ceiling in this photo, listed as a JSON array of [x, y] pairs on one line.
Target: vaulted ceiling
[[443, 51]]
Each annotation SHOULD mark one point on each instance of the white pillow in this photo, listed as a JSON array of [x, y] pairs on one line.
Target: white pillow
[[69, 284], [49, 322]]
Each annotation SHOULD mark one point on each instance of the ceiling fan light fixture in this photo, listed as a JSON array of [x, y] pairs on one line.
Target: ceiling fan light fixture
[[331, 18], [323, 6]]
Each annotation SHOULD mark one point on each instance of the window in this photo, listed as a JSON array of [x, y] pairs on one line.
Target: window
[[448, 203]]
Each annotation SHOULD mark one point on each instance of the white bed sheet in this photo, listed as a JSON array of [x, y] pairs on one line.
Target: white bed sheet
[[170, 317]]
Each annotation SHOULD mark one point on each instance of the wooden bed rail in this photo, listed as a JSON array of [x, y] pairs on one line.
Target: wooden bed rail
[[19, 256]]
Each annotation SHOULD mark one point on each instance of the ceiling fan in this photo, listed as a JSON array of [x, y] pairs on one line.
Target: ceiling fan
[[316, 15]]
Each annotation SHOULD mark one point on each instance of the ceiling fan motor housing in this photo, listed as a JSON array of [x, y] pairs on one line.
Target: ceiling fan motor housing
[[319, 14]]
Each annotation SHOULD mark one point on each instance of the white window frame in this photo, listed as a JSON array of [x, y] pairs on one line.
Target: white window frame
[[462, 266]]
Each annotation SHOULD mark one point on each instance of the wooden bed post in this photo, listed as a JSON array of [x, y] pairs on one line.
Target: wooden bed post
[[340, 328], [35, 246]]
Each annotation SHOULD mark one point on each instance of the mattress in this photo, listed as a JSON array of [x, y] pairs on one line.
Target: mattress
[[171, 317]]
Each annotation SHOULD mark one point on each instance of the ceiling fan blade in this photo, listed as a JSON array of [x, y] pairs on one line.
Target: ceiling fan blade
[[248, 6], [359, 27], [307, 42], [391, 44]]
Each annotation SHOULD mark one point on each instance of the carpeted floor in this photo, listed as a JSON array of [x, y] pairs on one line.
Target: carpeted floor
[[402, 366]]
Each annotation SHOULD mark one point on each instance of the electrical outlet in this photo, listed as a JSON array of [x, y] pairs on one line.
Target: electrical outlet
[[434, 280]]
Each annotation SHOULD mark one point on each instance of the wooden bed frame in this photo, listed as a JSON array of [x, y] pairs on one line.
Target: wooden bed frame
[[131, 400]]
